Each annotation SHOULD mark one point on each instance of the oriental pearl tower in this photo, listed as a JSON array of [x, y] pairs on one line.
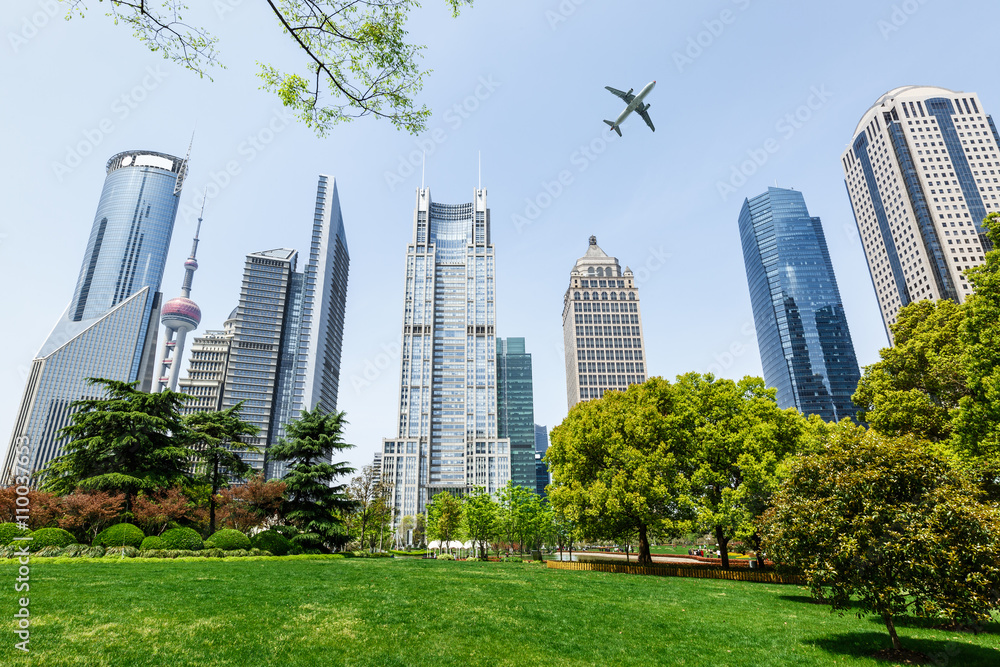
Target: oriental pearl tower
[[180, 315]]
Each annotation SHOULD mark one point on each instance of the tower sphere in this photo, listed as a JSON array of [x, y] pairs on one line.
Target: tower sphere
[[181, 314]]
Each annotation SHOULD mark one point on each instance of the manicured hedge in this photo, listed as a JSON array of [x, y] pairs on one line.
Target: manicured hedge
[[120, 535], [228, 539], [273, 541], [51, 537], [8, 531], [152, 542], [182, 539], [122, 552]]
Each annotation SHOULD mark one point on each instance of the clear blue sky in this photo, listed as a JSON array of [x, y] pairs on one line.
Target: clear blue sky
[[652, 200]]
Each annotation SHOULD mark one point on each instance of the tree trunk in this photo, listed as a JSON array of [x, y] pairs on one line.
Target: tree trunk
[[723, 540], [756, 548], [211, 500], [891, 627], [645, 558]]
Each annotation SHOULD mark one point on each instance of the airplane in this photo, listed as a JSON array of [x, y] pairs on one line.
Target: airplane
[[634, 104]]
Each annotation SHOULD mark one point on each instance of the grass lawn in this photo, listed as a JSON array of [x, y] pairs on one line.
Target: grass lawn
[[422, 612]]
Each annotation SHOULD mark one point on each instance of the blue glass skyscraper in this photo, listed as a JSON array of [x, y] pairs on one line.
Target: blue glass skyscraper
[[516, 409], [805, 343], [109, 327]]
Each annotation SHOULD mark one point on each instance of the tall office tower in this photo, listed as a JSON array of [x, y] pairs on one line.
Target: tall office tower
[[516, 409], [180, 315], [109, 327], [377, 468], [447, 431], [285, 336], [541, 439], [542, 476], [922, 173], [260, 338], [805, 344], [602, 328], [207, 369]]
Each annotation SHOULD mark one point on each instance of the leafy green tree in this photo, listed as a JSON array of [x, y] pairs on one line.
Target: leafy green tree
[[916, 386], [126, 442], [444, 517], [977, 424], [481, 518], [315, 503], [216, 437], [616, 465], [357, 59], [891, 524], [420, 529], [739, 438], [367, 493]]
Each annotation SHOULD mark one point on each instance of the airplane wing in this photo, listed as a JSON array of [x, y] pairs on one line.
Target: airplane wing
[[628, 97], [645, 117]]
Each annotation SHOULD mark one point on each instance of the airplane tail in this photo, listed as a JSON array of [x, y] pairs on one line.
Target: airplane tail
[[614, 127]]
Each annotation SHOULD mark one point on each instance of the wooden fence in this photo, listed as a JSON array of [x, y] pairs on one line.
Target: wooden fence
[[681, 571]]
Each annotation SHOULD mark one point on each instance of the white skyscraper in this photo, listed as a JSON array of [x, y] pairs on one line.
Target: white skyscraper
[[922, 173], [447, 429], [602, 328]]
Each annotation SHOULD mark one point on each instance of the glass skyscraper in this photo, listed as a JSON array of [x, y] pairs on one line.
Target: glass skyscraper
[[805, 344], [447, 437], [287, 331], [922, 171], [516, 408], [109, 328]]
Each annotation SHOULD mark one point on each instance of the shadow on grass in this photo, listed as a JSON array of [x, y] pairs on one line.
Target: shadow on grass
[[942, 653], [938, 624], [806, 599]]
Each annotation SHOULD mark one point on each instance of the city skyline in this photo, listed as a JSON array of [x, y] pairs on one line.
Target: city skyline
[[654, 198]]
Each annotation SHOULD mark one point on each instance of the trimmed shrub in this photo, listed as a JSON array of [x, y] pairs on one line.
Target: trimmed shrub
[[182, 539], [75, 550], [260, 552], [120, 535], [50, 537], [8, 531], [272, 541], [152, 553], [152, 542], [93, 552], [237, 553], [47, 552], [7, 552], [445, 557], [512, 559], [122, 552], [228, 539], [212, 552]]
